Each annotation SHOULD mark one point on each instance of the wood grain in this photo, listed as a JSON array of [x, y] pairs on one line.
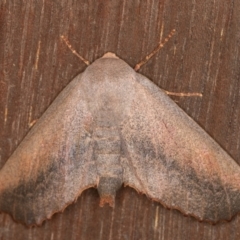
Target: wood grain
[[204, 57]]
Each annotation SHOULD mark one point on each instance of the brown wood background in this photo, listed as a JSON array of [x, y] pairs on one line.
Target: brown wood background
[[35, 65]]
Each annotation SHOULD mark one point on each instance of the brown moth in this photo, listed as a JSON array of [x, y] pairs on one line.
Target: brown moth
[[112, 126]]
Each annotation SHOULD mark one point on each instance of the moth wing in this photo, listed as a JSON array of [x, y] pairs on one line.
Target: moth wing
[[52, 165], [171, 159]]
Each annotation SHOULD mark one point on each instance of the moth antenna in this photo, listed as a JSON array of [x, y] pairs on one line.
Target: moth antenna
[[74, 51], [161, 44]]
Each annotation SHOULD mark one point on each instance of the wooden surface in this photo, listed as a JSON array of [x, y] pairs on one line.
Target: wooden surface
[[35, 65]]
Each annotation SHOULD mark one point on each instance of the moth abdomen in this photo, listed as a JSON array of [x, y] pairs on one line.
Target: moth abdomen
[[109, 170]]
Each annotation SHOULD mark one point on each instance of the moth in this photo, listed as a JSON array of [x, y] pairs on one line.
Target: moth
[[112, 126]]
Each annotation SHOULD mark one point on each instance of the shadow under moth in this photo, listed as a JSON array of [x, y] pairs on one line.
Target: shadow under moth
[[112, 126]]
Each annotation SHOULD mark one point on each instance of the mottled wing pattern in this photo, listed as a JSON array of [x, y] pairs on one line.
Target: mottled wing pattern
[[53, 164], [173, 160]]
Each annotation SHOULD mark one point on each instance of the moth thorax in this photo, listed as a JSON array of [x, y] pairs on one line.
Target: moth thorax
[[107, 155]]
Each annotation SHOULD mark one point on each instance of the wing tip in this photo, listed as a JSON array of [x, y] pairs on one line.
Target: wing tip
[[190, 215], [39, 220]]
